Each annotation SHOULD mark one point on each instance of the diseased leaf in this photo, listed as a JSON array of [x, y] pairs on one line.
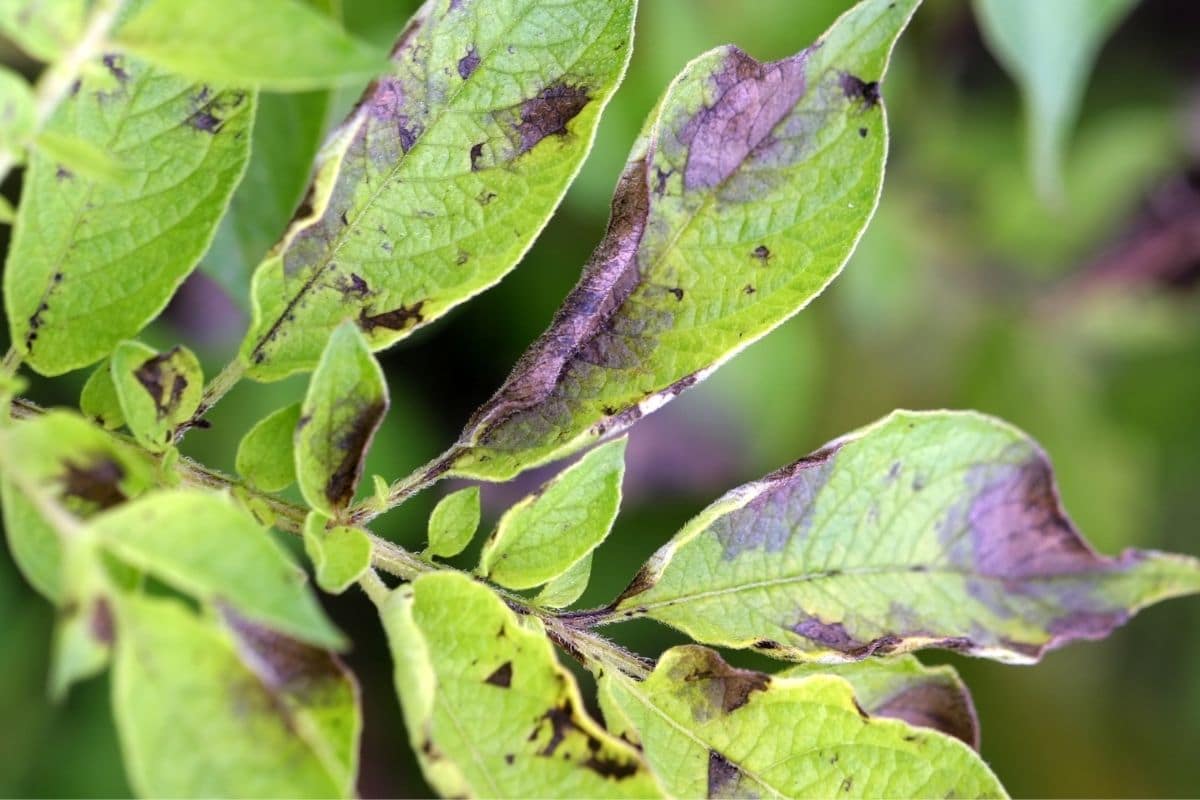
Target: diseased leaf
[[568, 587], [444, 174], [346, 401], [99, 401], [903, 688], [741, 201], [43, 28], [200, 542], [340, 555], [83, 158], [934, 529], [158, 391], [710, 730], [92, 262], [1049, 50], [80, 468], [265, 456], [489, 710], [548, 532], [278, 45], [83, 640], [239, 712], [453, 522]]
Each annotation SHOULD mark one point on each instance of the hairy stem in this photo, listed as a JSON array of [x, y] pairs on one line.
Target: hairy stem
[[217, 388], [414, 483]]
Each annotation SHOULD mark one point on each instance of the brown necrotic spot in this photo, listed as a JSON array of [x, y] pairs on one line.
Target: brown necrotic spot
[[722, 775], [115, 65], [725, 688], [855, 88], [762, 253], [677, 292], [548, 113], [353, 443], [97, 482], [834, 636], [468, 63], [935, 704], [476, 157], [100, 622], [353, 284], [162, 381], [398, 319], [501, 676]]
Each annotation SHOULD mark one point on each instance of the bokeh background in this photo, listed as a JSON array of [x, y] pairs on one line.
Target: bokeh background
[[1077, 321]]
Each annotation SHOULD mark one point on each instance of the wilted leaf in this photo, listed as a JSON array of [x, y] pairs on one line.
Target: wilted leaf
[[568, 587], [92, 262], [741, 201], [206, 712], [158, 391], [453, 522], [277, 45], [99, 401], [710, 730], [443, 175], [265, 455], [200, 542], [1049, 49], [80, 468], [548, 532], [903, 688], [340, 555], [346, 401], [936, 529], [489, 710]]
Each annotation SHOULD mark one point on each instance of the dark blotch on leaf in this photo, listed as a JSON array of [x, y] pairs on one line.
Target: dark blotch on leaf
[[162, 382], [677, 292], [855, 88], [353, 444], [762, 253], [938, 705], [97, 483], [100, 622], [476, 154], [722, 775], [468, 63], [727, 688], [502, 676], [115, 65], [398, 319], [548, 113]]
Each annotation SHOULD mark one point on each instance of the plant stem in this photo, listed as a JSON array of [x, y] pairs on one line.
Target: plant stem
[[217, 388], [56, 81], [417, 481]]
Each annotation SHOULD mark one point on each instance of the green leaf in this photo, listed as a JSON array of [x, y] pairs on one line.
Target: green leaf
[[79, 156], [746, 193], [903, 688], [453, 522], [710, 730], [44, 29], [7, 213], [92, 262], [444, 174], [934, 529], [16, 111], [489, 710], [346, 401], [202, 543], [158, 391], [265, 455], [76, 467], [83, 640], [1049, 50], [99, 401], [548, 532], [237, 712], [340, 555], [276, 45], [568, 587]]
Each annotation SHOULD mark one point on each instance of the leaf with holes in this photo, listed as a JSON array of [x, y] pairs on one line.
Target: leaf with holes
[[488, 707], [346, 401], [437, 183], [548, 532], [935, 529], [201, 543], [743, 198], [158, 391], [92, 262], [229, 711], [710, 730]]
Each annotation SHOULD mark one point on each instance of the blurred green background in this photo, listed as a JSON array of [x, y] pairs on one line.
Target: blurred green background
[[1078, 322]]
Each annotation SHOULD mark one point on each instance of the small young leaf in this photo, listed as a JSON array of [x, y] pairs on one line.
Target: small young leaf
[[277, 45], [158, 391], [99, 401], [743, 198], [82, 644], [241, 712], [44, 29], [568, 587], [16, 111], [1049, 49], [935, 529], [443, 175], [547, 533], [92, 262], [904, 688], [489, 710], [453, 522], [202, 543], [265, 456], [340, 555], [346, 401], [80, 468], [710, 730]]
